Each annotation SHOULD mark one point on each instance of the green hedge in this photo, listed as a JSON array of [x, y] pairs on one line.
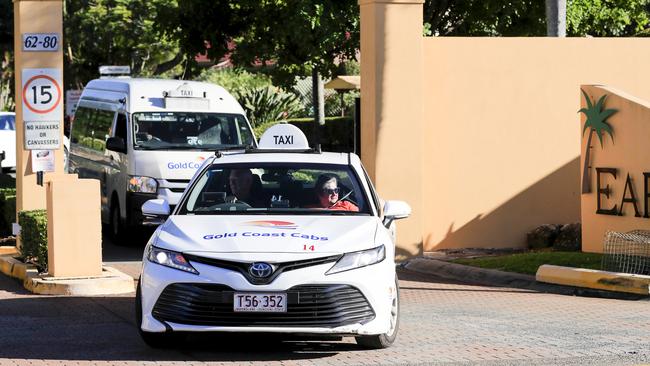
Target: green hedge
[[7, 210], [33, 233], [337, 134]]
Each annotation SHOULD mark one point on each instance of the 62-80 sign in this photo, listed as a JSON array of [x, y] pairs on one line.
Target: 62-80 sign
[[42, 42]]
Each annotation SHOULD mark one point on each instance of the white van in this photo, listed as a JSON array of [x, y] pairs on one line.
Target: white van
[[145, 139]]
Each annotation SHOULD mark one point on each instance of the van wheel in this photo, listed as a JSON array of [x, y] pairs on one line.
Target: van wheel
[[380, 341], [153, 340], [116, 225]]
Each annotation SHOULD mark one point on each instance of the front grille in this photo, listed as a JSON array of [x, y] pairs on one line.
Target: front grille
[[326, 306], [176, 190], [242, 267]]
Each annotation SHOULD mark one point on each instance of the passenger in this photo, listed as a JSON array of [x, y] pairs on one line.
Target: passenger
[[327, 193], [242, 187]]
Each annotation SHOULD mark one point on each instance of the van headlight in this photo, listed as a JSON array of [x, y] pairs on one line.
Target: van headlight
[[170, 258], [142, 184], [358, 259]]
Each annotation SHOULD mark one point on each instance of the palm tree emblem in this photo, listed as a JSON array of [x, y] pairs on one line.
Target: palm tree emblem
[[596, 122]]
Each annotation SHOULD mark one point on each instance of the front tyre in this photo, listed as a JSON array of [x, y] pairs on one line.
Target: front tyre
[[153, 340], [116, 224], [385, 340]]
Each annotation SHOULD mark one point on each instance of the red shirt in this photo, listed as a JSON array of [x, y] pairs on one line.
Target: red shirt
[[339, 206]]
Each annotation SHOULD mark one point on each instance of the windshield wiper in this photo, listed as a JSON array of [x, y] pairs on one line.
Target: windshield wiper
[[231, 147], [183, 147]]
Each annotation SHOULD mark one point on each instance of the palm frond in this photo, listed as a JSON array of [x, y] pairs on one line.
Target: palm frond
[[589, 105], [596, 117], [607, 113], [601, 101]]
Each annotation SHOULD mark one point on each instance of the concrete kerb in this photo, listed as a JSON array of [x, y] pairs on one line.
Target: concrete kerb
[[581, 277], [111, 282], [491, 277]]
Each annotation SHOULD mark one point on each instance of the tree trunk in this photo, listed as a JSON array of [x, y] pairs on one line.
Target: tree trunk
[[168, 65], [586, 179], [556, 18]]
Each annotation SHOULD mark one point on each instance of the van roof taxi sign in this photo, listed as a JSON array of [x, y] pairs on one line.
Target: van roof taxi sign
[[184, 97], [183, 91], [284, 136]]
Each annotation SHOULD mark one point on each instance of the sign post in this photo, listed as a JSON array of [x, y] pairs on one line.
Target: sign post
[[38, 30], [74, 256]]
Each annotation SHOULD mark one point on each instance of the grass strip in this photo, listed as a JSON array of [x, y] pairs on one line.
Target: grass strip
[[528, 263]]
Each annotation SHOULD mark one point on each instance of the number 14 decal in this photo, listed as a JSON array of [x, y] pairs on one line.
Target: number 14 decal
[[309, 248]]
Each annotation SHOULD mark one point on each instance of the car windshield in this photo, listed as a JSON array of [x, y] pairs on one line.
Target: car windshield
[[280, 188], [189, 130], [7, 122]]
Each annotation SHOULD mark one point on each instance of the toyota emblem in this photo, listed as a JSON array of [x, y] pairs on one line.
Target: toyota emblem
[[260, 270]]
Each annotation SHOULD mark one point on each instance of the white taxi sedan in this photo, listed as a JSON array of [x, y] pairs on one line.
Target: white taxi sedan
[[8, 140], [279, 239]]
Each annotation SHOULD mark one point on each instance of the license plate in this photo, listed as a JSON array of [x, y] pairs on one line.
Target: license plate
[[260, 302]]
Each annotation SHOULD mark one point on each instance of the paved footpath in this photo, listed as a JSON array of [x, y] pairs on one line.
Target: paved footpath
[[442, 322]]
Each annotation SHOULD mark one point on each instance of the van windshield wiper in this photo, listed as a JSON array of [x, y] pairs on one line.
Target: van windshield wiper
[[231, 147]]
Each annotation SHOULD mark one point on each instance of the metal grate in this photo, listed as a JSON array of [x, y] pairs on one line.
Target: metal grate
[[627, 252], [325, 306]]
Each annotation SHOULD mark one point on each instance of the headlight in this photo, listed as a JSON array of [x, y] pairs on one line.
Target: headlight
[[359, 259], [169, 258], [142, 185]]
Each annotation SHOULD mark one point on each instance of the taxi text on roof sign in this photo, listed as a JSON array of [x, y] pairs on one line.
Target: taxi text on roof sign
[[284, 136]]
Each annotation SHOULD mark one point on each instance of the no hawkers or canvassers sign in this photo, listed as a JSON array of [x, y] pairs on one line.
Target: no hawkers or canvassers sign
[[42, 108]]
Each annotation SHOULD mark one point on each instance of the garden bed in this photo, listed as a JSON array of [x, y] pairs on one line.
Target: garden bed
[[529, 262]]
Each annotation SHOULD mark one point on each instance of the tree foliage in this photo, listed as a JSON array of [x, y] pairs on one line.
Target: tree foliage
[[290, 37], [299, 36], [115, 32], [607, 18], [485, 18], [202, 27], [6, 55]]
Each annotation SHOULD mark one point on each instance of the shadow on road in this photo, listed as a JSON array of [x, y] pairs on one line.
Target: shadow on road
[[103, 328]]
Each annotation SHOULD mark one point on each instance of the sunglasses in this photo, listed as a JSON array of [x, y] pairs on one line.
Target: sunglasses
[[330, 190]]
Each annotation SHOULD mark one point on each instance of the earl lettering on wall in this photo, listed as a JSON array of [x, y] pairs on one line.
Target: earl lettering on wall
[[616, 169]]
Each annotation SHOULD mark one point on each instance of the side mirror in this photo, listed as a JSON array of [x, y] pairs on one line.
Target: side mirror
[[395, 210], [116, 144], [155, 212]]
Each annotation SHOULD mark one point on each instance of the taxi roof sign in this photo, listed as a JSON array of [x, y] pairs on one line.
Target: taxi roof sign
[[283, 136], [114, 70]]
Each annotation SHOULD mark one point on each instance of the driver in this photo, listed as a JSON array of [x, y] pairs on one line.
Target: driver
[[327, 193], [241, 184]]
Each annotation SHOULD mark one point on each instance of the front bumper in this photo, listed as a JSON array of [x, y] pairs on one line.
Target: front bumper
[[348, 303]]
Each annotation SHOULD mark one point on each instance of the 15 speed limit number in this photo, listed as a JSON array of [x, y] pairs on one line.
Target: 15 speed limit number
[[42, 95]]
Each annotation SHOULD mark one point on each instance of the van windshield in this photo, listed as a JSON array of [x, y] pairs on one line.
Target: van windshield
[[189, 130]]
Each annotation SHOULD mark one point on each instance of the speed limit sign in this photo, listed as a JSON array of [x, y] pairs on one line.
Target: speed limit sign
[[42, 95]]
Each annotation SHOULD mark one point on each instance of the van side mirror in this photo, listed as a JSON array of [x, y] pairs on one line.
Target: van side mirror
[[395, 210], [155, 212], [116, 144]]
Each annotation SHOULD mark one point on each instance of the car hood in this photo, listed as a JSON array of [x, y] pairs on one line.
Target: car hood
[[176, 164], [308, 236]]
